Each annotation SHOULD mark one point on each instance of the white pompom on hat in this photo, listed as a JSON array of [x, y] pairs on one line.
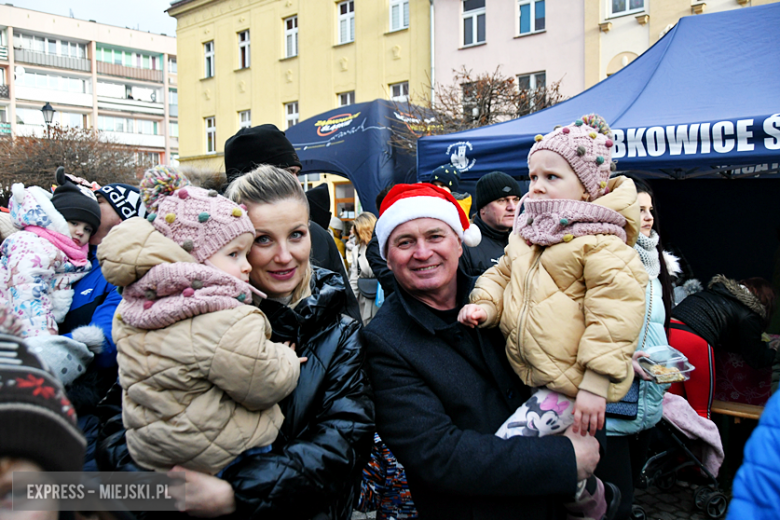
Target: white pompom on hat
[[407, 202]]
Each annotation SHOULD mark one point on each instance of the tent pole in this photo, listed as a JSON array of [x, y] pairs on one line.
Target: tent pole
[[433, 70]]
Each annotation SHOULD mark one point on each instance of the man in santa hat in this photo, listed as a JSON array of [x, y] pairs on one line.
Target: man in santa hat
[[442, 390]]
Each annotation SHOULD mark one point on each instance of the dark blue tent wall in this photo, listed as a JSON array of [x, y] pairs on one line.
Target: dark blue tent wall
[[706, 96], [354, 142]]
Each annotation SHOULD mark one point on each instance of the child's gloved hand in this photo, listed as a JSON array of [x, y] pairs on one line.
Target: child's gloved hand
[[472, 315], [589, 410]]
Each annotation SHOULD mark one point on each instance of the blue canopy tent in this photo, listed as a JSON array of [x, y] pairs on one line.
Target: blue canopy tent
[[354, 142], [703, 101]]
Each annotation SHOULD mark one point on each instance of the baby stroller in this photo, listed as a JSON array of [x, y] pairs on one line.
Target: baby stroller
[[673, 454]]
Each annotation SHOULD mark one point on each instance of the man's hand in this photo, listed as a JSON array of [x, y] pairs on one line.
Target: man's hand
[[586, 452], [472, 315], [202, 495], [589, 412]]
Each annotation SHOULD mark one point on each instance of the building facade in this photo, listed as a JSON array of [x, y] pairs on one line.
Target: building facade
[[536, 41], [617, 31], [119, 81], [250, 62]]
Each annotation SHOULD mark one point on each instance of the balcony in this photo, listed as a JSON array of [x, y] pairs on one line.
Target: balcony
[[47, 95], [5, 130], [130, 105], [145, 140], [4, 94], [3, 53], [51, 60], [112, 69]]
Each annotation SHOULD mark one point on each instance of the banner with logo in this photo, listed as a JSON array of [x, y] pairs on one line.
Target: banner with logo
[[703, 101], [354, 142]]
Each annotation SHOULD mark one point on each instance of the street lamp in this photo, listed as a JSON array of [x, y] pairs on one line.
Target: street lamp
[[48, 115]]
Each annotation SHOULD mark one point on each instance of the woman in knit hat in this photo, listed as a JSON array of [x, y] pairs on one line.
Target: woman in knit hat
[[200, 377], [569, 294], [41, 263]]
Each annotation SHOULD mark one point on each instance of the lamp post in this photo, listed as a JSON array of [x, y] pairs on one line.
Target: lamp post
[[48, 115]]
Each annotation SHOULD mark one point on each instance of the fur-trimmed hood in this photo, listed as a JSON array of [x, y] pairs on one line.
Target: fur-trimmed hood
[[741, 293]]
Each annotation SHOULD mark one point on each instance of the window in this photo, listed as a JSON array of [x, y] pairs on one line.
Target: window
[[473, 22], [531, 16], [291, 37], [533, 86], [627, 6], [173, 97], [172, 65], [245, 119], [211, 135], [208, 54], [291, 113], [243, 50], [399, 14], [347, 98], [173, 129], [400, 91], [347, 21]]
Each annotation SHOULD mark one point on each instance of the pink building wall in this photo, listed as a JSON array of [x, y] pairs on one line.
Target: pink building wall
[[558, 50]]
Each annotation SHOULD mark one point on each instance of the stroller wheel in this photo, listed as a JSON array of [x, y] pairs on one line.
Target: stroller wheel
[[716, 505], [638, 513], [665, 481], [701, 495]]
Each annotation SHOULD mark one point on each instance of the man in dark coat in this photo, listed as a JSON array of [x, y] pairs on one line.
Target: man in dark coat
[[497, 201], [266, 144], [442, 390]]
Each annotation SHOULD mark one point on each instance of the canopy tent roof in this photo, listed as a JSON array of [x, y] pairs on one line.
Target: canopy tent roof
[[354, 142], [701, 101]]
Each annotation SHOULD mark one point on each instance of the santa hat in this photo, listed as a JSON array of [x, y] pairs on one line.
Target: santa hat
[[407, 202]]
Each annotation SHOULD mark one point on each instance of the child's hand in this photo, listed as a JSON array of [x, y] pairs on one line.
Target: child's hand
[[292, 346], [589, 412], [472, 315], [638, 370]]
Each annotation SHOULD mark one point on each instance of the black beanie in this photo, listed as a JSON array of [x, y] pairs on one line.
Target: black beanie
[[75, 202], [319, 205], [251, 147], [494, 186], [125, 199], [448, 175], [37, 422]]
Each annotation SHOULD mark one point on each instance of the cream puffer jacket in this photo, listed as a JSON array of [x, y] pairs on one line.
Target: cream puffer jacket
[[204, 389], [571, 312]]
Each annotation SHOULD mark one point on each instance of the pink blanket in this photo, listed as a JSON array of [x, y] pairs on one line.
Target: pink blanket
[[679, 414]]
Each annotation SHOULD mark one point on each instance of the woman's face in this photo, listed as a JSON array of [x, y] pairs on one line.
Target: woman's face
[[646, 213], [280, 253]]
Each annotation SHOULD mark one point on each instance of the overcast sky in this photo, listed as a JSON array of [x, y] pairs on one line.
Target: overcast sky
[[144, 15]]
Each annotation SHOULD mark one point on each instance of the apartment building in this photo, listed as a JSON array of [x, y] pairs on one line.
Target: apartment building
[[118, 80], [249, 62]]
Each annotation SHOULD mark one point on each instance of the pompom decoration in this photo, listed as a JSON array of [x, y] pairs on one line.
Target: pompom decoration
[[160, 181], [169, 218], [599, 160], [564, 222], [578, 122], [188, 292], [237, 212], [203, 217], [581, 151], [538, 137], [150, 294], [593, 135], [566, 130], [568, 238], [242, 206], [530, 220], [613, 166], [182, 194], [603, 184], [241, 297], [148, 305], [151, 216], [213, 193], [197, 284], [608, 143], [472, 236], [187, 245], [556, 127]]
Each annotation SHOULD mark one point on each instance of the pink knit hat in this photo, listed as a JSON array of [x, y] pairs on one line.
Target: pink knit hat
[[587, 146], [199, 220]]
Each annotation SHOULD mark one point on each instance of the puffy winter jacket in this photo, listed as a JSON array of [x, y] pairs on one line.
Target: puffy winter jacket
[[200, 387], [729, 318], [315, 465], [756, 488], [571, 312], [36, 276]]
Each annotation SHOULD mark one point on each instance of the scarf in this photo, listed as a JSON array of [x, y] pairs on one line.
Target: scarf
[[77, 255], [548, 222], [648, 253]]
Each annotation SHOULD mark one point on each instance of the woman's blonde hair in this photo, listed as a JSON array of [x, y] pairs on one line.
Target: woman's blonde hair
[[364, 227], [268, 184]]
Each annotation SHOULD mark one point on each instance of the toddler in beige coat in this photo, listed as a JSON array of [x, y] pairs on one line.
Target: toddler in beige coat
[[568, 294], [200, 377]]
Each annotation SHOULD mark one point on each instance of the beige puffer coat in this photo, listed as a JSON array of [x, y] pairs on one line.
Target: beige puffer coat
[[571, 312], [204, 389]]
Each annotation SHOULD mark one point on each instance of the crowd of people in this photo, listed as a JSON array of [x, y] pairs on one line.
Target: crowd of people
[[451, 357]]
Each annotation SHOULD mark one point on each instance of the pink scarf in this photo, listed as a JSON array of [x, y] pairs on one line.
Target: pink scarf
[[548, 222], [77, 255]]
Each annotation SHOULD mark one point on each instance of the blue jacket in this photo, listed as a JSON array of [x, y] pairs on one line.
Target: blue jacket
[[756, 488]]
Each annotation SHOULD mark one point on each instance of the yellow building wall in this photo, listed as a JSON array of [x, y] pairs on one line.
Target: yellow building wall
[[314, 78]]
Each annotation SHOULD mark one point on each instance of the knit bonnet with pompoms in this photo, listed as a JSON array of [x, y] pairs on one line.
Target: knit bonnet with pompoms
[[200, 221], [586, 145]]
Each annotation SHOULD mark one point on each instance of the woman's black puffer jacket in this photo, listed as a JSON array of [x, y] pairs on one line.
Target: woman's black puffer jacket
[[729, 318], [315, 465]]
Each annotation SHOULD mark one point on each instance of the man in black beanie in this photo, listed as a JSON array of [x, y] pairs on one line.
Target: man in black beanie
[[319, 205], [497, 199], [266, 144]]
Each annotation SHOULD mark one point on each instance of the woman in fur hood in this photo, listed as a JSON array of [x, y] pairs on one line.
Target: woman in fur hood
[[727, 315]]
